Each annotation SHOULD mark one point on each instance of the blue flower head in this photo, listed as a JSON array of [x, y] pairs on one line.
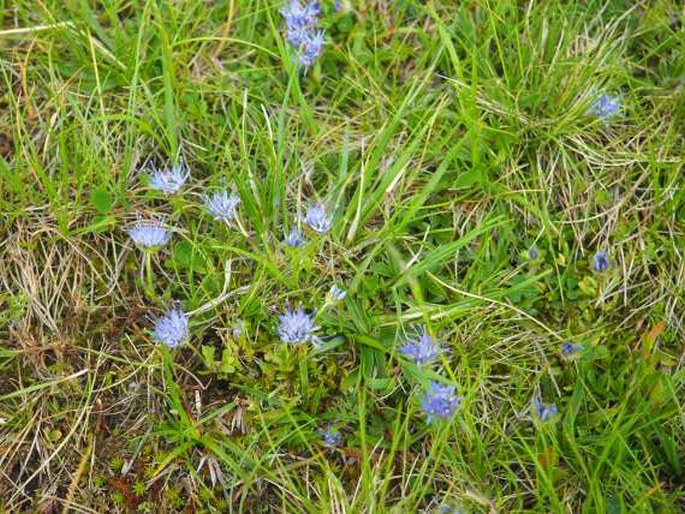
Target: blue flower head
[[337, 293], [600, 262], [422, 349], [296, 327], [300, 20], [312, 48], [533, 253], [568, 349], [301, 23], [171, 329], [318, 219], [607, 107], [239, 329], [169, 181], [149, 234], [331, 437], [543, 411], [223, 206], [294, 237], [440, 402]]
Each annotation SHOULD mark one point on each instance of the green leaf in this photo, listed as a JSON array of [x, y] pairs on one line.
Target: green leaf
[[100, 223], [468, 178], [185, 255], [101, 200], [380, 384], [228, 362], [588, 286], [208, 353]]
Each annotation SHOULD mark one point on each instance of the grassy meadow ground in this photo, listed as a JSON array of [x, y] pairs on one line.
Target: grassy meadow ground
[[447, 139]]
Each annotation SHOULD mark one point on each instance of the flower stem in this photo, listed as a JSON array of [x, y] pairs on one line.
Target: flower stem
[[149, 284]]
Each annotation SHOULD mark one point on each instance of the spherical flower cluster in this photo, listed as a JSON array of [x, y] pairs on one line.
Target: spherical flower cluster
[[149, 234], [543, 411], [223, 206], [294, 237], [331, 437], [336, 293], [422, 349], [568, 349], [296, 327], [440, 402], [301, 23], [171, 329], [318, 219], [312, 49], [607, 107], [600, 262], [169, 181]]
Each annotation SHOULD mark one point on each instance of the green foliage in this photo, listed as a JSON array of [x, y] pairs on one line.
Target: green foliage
[[225, 366], [448, 138]]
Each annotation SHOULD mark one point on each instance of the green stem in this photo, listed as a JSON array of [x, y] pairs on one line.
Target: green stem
[[149, 284]]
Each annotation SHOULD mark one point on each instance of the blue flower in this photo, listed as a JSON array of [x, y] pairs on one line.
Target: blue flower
[[421, 350], [606, 107], [331, 437], [169, 181], [533, 253], [297, 327], [312, 48], [301, 23], [440, 402], [294, 237], [337, 293], [569, 349], [171, 329], [600, 262], [543, 411], [223, 206], [238, 329], [149, 234], [300, 20], [318, 219]]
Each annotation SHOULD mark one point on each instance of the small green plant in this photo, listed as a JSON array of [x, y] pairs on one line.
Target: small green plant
[[223, 367], [139, 488], [116, 463], [117, 498]]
